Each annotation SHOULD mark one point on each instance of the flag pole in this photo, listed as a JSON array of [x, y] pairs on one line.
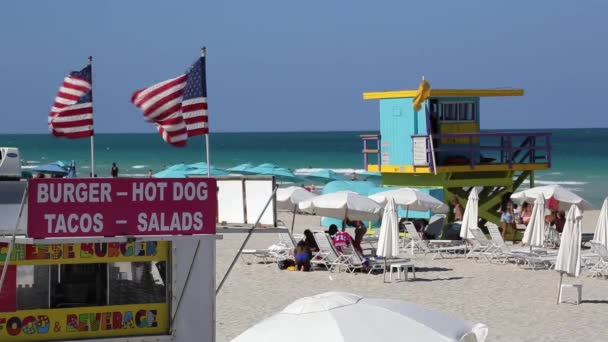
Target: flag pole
[[92, 135], [203, 55]]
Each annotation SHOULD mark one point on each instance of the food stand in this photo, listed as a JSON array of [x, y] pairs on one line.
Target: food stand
[[118, 259]]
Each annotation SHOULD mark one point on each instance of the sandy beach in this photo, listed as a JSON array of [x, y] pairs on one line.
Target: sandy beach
[[517, 304]]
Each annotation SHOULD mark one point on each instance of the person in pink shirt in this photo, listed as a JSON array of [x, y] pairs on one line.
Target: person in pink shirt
[[342, 239]]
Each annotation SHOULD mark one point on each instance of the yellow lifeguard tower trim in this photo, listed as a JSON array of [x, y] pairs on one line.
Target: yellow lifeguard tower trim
[[393, 94]]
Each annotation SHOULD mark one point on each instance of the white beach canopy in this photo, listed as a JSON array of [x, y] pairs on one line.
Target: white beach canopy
[[411, 199], [288, 198], [565, 197], [534, 235], [342, 205], [470, 218], [339, 316], [601, 229], [388, 241]]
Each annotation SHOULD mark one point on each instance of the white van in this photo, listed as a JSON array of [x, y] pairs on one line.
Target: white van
[[10, 163]]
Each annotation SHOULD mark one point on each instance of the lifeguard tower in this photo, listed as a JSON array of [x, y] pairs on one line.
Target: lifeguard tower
[[431, 139]]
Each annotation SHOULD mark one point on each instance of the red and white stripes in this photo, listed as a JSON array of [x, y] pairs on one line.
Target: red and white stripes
[[70, 117]]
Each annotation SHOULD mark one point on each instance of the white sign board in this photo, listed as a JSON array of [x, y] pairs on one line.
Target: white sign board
[[241, 200], [420, 149]]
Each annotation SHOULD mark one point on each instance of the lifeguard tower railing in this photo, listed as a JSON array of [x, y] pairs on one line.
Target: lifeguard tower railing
[[470, 149]]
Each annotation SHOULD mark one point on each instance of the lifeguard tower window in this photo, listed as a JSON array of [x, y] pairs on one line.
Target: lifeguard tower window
[[455, 111]]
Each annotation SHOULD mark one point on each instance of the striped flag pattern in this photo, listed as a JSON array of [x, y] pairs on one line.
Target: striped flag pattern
[[72, 113], [177, 106]]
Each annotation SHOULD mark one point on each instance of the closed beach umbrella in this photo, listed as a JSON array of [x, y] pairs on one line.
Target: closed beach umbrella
[[564, 196], [410, 199], [388, 241], [342, 205], [470, 218], [534, 235], [325, 176], [569, 254], [244, 169], [288, 198], [601, 229], [341, 317]]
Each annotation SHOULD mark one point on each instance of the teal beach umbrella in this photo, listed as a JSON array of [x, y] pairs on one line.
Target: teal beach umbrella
[[173, 171], [325, 176], [244, 169]]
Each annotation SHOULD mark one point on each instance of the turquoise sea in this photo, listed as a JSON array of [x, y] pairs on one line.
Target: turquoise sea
[[580, 156]]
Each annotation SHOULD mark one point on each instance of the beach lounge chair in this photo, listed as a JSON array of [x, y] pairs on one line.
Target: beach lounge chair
[[424, 245], [434, 229], [327, 255], [519, 256], [600, 268], [355, 261], [274, 253], [482, 247]]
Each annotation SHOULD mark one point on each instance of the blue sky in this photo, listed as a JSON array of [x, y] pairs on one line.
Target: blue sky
[[297, 66]]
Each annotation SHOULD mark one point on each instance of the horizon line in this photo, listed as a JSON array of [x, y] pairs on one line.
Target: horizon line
[[325, 131]]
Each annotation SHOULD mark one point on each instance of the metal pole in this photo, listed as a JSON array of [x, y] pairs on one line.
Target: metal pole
[[204, 79], [92, 158], [179, 301], [208, 157], [293, 220], [92, 140], [12, 243], [559, 289], [246, 240]]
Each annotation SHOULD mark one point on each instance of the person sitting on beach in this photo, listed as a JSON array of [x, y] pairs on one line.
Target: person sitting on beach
[[333, 229], [149, 175], [560, 220], [302, 255], [309, 239], [526, 213], [342, 239]]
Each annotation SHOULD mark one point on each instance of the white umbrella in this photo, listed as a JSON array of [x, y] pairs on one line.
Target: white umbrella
[[601, 229], [388, 241], [470, 216], [565, 197], [288, 198], [569, 254], [342, 205], [411, 199], [534, 235], [339, 316]]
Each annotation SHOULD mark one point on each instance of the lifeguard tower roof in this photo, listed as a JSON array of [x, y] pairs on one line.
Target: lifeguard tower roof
[[395, 94]]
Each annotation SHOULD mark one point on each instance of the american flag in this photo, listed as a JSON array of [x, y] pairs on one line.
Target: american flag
[[72, 112], [177, 106]]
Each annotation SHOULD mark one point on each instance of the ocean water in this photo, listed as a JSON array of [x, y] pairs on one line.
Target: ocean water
[[579, 156]]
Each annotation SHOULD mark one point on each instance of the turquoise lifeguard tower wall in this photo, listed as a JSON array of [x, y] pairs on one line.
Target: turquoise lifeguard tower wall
[[399, 121]]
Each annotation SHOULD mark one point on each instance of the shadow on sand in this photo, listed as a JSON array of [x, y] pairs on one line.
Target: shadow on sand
[[594, 301]]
